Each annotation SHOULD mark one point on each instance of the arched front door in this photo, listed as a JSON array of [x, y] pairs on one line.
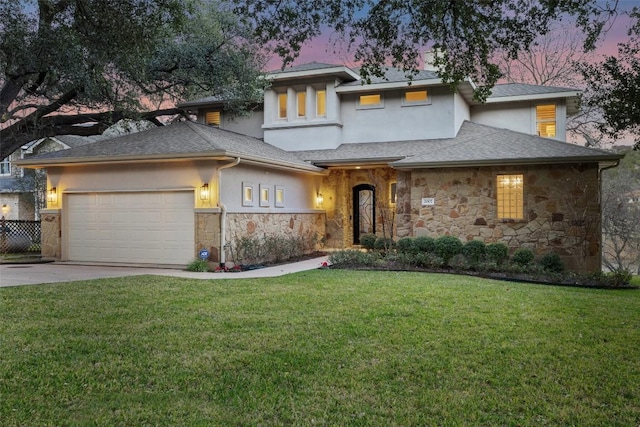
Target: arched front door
[[364, 211]]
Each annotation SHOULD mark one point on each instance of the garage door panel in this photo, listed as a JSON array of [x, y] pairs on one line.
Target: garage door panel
[[148, 227]]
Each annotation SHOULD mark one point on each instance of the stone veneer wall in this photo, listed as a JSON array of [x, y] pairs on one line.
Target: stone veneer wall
[[561, 205], [259, 225], [337, 190], [207, 228], [51, 244]]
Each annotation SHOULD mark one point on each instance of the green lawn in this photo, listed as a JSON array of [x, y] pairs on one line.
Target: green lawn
[[325, 347]]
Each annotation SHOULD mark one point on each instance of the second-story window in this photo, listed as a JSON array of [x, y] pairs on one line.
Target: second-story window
[[301, 100], [546, 120], [371, 101], [321, 103], [282, 105], [212, 118], [5, 167]]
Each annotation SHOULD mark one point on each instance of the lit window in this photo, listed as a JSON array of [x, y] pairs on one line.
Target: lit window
[[247, 194], [510, 196], [321, 103], [415, 96], [279, 203], [264, 195], [302, 104], [282, 105], [546, 120], [370, 100], [5, 167], [212, 118], [393, 194]]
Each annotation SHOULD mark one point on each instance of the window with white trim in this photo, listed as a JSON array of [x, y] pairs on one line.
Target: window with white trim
[[510, 196], [415, 97], [321, 103], [5, 167], [370, 101]]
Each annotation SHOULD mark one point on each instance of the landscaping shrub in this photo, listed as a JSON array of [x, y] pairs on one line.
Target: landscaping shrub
[[475, 251], [368, 241], [551, 262], [353, 258], [446, 247], [424, 244], [384, 244], [406, 245], [460, 262], [522, 257], [497, 253]]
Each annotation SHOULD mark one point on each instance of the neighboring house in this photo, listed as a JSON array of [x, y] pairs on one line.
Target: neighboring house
[[328, 156], [21, 195]]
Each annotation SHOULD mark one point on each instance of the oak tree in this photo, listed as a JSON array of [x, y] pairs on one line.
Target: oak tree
[[78, 66]]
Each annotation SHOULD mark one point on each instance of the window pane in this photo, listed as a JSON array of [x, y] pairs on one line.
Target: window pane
[[302, 104], [212, 118], [546, 120], [510, 200], [282, 106], [321, 103], [415, 96], [5, 167], [370, 99]]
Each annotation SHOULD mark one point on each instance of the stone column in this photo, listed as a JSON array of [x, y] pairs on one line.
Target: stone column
[[51, 234]]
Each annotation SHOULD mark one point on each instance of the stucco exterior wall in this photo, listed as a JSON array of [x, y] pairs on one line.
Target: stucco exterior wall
[[398, 122], [561, 205]]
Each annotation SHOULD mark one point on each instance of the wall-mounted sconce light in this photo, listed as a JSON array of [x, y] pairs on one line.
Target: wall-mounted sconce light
[[319, 199], [204, 192], [5, 209], [52, 195]]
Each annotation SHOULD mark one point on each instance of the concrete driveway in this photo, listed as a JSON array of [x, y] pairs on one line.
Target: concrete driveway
[[33, 274]]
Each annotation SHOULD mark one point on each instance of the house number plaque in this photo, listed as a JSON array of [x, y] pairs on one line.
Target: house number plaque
[[428, 201]]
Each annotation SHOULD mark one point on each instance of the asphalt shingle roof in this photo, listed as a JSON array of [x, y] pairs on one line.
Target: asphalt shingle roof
[[185, 139], [474, 145], [519, 89]]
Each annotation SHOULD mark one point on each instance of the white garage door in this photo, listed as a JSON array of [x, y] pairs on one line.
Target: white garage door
[[150, 227]]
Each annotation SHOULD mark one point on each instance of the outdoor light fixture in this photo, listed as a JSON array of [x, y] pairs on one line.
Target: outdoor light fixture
[[319, 199], [52, 196], [5, 209], [204, 192]]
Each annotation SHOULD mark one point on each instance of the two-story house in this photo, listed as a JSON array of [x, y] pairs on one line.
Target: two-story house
[[326, 155]]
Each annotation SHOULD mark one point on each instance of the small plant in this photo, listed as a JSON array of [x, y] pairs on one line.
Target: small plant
[[406, 245], [446, 247], [497, 253], [523, 257], [368, 241], [353, 258], [384, 244], [424, 244], [551, 262], [198, 265], [460, 262], [475, 251]]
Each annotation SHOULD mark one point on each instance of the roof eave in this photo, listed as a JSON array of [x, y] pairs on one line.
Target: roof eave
[[505, 162], [389, 85], [356, 162], [341, 72]]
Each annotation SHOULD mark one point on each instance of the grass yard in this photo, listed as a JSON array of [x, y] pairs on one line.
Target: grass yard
[[325, 347]]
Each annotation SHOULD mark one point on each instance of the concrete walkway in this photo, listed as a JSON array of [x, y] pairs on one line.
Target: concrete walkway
[[33, 274]]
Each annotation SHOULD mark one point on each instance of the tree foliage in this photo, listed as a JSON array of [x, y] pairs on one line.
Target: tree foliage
[[614, 85], [65, 63], [465, 33]]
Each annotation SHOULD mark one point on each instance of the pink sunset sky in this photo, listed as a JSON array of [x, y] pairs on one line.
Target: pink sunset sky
[[329, 47]]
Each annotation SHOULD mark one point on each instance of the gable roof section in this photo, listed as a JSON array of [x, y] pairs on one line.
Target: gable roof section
[[475, 145], [185, 140], [314, 70]]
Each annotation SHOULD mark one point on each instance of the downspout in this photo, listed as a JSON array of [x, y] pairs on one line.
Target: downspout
[[223, 211]]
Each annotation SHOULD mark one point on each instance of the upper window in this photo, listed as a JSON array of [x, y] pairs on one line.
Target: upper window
[[546, 120], [510, 196], [412, 97], [370, 101], [212, 118], [321, 103], [5, 167], [282, 105], [301, 99]]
